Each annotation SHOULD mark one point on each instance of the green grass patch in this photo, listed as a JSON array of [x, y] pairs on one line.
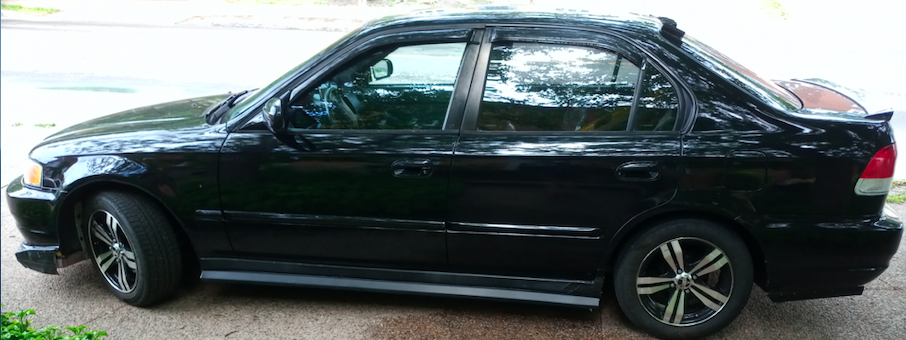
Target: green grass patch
[[897, 192], [896, 198], [17, 124], [15, 325], [43, 125], [29, 10]]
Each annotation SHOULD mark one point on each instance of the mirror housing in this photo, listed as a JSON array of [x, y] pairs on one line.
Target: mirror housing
[[382, 69], [273, 115]]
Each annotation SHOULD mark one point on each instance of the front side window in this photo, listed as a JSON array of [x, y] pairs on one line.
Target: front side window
[[549, 87], [394, 88]]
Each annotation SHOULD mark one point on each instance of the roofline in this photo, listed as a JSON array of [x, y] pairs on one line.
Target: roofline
[[512, 14]]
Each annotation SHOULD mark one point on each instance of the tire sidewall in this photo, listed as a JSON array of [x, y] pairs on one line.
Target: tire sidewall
[[106, 203], [640, 246]]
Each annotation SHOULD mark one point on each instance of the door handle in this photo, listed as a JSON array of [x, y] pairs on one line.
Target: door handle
[[409, 168], [638, 171]]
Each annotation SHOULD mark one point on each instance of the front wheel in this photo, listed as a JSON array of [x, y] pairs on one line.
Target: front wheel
[[684, 279], [133, 246]]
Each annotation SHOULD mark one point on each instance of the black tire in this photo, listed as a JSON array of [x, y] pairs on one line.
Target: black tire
[[683, 301], [132, 245]]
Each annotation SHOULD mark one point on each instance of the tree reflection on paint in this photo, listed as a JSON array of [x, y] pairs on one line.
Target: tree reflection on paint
[[544, 87]]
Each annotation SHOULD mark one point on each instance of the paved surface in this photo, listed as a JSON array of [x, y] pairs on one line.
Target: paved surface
[[228, 311], [145, 60]]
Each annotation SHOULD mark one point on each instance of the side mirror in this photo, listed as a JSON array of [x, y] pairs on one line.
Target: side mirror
[[383, 69], [273, 115]]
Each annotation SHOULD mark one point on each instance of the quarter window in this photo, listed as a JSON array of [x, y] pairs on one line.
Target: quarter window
[[657, 104], [399, 88]]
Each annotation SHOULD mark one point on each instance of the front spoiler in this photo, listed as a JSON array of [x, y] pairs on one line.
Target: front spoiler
[[45, 259]]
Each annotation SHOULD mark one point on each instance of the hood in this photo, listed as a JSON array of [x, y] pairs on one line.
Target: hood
[[167, 116]]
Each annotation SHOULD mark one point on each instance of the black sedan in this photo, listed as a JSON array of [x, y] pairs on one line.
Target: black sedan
[[490, 154]]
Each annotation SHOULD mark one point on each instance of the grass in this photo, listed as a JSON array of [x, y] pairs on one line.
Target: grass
[[43, 125], [897, 192], [896, 198], [29, 10]]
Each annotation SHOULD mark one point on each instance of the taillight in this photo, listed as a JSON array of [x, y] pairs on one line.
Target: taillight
[[878, 175]]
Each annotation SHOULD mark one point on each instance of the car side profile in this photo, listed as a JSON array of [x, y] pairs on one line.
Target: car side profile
[[499, 154]]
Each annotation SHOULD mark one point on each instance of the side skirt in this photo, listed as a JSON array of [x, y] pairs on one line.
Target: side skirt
[[584, 294]]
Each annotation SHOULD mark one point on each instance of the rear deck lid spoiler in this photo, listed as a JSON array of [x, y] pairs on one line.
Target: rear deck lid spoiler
[[884, 115]]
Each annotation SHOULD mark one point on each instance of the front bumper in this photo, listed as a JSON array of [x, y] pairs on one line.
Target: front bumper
[[34, 212], [45, 259]]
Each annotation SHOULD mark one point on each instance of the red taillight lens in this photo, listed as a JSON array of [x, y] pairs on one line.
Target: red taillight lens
[[882, 164], [878, 175]]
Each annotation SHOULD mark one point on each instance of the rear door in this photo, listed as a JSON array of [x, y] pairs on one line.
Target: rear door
[[571, 135]]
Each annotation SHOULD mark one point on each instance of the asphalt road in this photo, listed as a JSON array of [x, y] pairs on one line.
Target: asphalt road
[[63, 73]]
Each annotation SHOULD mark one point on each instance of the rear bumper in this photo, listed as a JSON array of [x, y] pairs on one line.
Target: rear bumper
[[826, 256]]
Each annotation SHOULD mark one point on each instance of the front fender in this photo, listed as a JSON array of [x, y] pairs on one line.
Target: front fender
[[183, 184]]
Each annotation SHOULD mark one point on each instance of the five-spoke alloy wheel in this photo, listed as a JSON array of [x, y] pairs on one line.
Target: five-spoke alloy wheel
[[133, 245], [112, 251], [684, 278]]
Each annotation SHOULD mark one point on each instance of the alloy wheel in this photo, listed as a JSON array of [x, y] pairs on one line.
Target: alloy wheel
[[112, 251], [684, 281]]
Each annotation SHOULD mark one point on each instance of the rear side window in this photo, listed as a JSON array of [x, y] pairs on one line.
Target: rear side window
[[550, 87]]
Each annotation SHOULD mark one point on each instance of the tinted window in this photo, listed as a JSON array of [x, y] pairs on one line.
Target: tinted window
[[405, 88], [722, 65], [545, 87], [657, 104]]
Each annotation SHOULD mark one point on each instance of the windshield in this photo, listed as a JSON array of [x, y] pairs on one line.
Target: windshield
[[247, 100], [766, 90]]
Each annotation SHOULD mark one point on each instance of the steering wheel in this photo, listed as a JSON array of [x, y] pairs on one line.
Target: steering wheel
[[343, 113]]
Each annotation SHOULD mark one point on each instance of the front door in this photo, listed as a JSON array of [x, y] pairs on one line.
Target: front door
[[361, 177], [572, 135]]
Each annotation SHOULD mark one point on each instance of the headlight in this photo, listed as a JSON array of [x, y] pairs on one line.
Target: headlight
[[34, 172]]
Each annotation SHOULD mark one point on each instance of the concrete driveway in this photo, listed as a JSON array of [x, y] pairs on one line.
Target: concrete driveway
[[204, 310]]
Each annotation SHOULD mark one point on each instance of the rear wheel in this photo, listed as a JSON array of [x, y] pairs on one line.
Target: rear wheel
[[684, 279], [133, 246]]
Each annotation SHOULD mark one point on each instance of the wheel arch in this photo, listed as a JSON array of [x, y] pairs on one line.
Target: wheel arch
[[66, 216], [645, 222]]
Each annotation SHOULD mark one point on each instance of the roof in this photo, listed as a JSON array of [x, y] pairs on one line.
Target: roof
[[512, 14]]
